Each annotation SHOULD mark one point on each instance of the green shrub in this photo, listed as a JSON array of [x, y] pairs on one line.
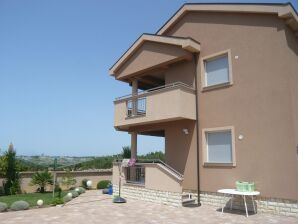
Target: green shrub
[[3, 207], [2, 191], [68, 180], [82, 190], [103, 184], [19, 205], [74, 194], [84, 183], [58, 190], [77, 190], [57, 201], [66, 198]]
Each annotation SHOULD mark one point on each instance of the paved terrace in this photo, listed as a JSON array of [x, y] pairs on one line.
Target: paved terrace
[[94, 207]]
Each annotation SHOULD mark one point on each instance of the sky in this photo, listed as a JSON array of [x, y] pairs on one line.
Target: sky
[[56, 95]]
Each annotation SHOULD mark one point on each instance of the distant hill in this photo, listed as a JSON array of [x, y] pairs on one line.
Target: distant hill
[[34, 163], [41, 162]]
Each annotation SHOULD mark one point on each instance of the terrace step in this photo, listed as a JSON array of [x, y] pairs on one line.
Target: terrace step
[[186, 196], [187, 200]]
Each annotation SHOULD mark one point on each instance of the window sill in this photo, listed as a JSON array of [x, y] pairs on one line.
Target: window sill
[[217, 86], [230, 165]]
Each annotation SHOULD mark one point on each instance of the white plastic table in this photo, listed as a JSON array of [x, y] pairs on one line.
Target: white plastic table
[[233, 192]]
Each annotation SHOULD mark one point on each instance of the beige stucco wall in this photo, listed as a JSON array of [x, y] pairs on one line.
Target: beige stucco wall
[[181, 72], [94, 176], [150, 55], [262, 104], [169, 104], [156, 178], [180, 148]]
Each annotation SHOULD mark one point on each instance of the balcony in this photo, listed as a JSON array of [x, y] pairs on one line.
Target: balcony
[[170, 102]]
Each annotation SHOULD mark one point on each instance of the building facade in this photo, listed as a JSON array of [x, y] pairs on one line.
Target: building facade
[[220, 83]]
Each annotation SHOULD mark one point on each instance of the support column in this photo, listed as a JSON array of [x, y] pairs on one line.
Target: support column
[[135, 87], [134, 143], [135, 100]]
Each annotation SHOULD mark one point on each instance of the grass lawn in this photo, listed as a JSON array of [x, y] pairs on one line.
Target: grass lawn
[[31, 198]]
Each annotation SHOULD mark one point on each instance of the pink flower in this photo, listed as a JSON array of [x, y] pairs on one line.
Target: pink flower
[[131, 162]]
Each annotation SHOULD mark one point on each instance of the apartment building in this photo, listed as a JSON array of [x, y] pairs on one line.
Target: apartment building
[[219, 82]]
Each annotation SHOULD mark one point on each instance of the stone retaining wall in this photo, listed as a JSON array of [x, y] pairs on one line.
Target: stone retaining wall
[[263, 205], [139, 192]]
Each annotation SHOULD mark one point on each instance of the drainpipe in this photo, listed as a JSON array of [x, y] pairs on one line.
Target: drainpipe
[[195, 60]]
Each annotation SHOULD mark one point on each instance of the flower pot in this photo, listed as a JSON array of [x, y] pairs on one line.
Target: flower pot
[[251, 187], [245, 186], [240, 186]]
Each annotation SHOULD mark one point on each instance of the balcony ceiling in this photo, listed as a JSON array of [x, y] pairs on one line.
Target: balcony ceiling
[[152, 53], [150, 81], [156, 133]]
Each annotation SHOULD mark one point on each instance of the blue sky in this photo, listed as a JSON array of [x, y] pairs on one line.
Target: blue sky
[[56, 96]]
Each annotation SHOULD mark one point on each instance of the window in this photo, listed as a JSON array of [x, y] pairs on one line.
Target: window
[[219, 146], [216, 70]]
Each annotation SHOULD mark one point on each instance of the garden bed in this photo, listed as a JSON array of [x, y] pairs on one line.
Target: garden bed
[[31, 198]]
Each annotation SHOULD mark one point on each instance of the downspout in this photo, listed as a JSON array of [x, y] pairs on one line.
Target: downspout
[[195, 59]]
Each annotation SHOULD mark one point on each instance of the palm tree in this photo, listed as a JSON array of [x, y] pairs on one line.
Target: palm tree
[[42, 179]]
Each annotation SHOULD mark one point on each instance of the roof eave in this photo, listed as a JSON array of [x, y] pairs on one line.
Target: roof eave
[[284, 11], [186, 43]]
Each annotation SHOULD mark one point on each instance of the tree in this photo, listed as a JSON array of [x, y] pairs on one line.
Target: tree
[[42, 179], [12, 178], [2, 172], [126, 152], [2, 165], [153, 155], [68, 180]]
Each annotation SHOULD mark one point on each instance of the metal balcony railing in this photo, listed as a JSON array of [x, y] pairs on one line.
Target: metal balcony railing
[[165, 165], [135, 174], [150, 91], [136, 107]]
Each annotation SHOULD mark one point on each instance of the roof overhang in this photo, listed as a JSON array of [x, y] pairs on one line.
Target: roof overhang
[[187, 44], [283, 11]]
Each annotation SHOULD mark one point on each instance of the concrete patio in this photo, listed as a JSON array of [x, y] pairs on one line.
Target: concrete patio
[[94, 207]]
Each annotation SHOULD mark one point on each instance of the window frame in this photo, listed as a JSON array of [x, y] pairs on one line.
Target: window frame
[[204, 59], [205, 131]]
